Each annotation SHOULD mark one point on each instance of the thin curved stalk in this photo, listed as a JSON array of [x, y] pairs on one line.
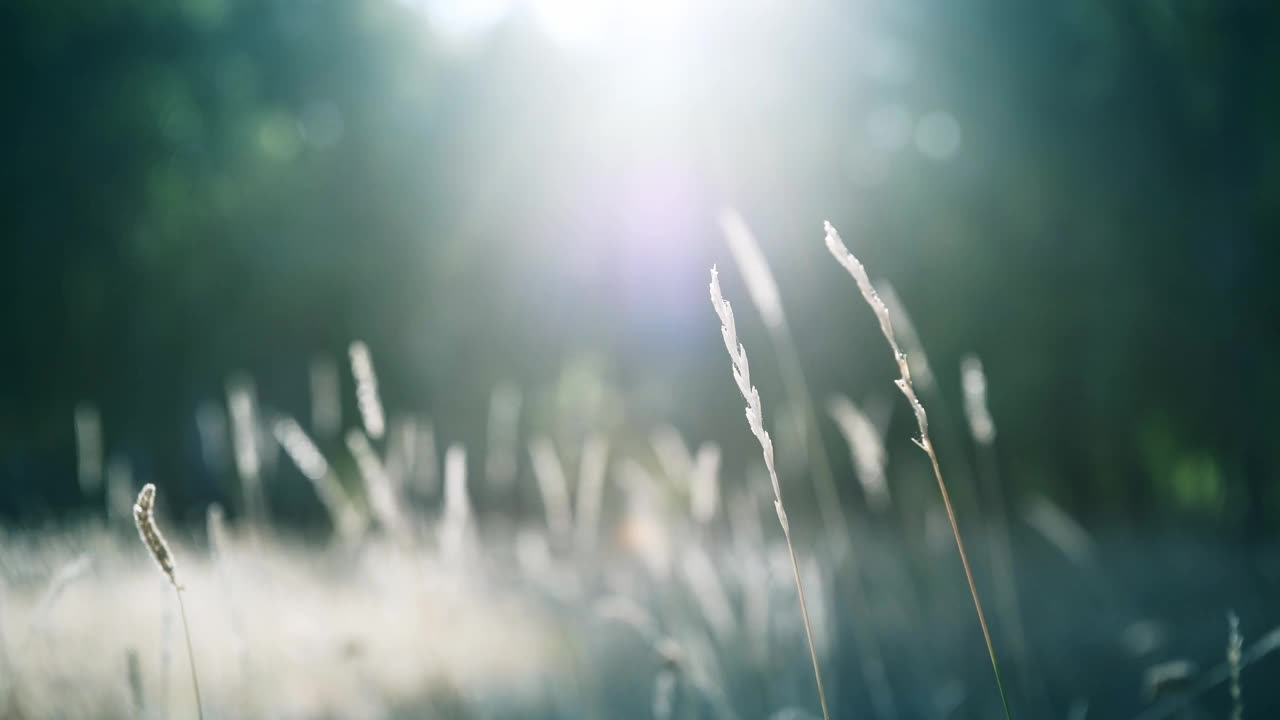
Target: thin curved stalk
[[755, 420], [191, 656], [842, 255]]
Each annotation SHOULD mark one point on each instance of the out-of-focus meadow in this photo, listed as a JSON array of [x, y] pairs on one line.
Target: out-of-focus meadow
[[402, 306]]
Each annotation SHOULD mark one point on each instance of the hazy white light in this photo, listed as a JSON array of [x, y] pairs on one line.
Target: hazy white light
[[580, 24], [889, 127], [462, 21], [938, 135], [574, 23], [867, 166], [883, 60]]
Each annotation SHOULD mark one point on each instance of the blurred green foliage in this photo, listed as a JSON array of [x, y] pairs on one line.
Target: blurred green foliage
[[208, 186]]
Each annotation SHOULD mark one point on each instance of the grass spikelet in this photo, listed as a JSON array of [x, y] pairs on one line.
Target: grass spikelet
[[311, 463], [242, 407], [665, 684], [455, 523], [704, 484], [973, 382], [761, 287], [6, 662], [66, 576], [120, 491], [503, 438], [326, 398], [133, 678], [367, 399], [1259, 650], [1235, 652], [554, 489], [672, 451], [379, 491], [671, 653], [905, 330], [702, 578], [88, 424], [592, 466], [144, 516], [842, 255], [755, 420], [866, 448], [763, 291], [401, 450], [1060, 530]]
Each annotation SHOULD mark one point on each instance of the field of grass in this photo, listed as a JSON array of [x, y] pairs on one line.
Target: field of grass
[[644, 585]]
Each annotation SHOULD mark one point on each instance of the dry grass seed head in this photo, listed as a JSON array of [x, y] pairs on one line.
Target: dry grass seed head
[[144, 516]]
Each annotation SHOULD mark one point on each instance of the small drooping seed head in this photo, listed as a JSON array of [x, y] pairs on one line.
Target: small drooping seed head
[[144, 517]]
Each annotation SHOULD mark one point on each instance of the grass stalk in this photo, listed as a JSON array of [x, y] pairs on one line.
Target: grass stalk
[[982, 429], [842, 255], [191, 655], [1225, 671], [762, 289], [145, 518], [1235, 652], [755, 419]]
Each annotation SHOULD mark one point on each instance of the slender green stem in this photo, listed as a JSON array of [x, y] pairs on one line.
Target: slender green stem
[[830, 508], [1007, 596], [191, 656], [927, 445], [835, 521], [808, 628]]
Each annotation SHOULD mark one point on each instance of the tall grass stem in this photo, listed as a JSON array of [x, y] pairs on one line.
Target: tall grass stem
[[842, 255], [755, 420]]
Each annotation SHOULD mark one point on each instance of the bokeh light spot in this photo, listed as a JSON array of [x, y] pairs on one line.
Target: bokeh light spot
[[278, 136], [938, 135]]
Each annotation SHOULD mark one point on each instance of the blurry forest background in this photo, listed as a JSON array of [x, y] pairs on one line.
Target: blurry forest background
[[501, 192]]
